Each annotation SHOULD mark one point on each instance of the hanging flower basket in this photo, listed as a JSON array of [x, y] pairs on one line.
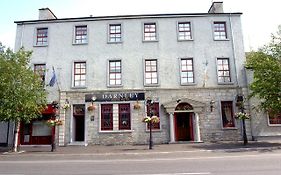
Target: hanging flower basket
[[153, 119], [54, 122], [66, 106], [137, 105], [91, 107], [242, 115]]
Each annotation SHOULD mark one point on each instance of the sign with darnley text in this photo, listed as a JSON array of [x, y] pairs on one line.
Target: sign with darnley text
[[114, 96]]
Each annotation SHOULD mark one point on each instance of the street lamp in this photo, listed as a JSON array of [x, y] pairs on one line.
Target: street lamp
[[240, 102], [149, 103]]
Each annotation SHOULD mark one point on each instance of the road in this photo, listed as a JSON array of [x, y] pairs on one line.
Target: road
[[175, 163]]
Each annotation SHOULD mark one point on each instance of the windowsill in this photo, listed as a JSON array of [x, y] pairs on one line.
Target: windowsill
[[230, 128], [115, 131], [151, 85], [188, 84], [78, 87], [114, 86], [225, 83], [114, 42], [221, 39], [149, 41], [274, 125], [45, 45], [182, 40], [153, 130], [75, 44]]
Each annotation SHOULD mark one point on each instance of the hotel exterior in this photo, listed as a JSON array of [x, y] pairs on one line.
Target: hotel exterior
[[106, 68]]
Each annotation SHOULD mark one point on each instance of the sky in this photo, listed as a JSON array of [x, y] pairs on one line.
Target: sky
[[259, 20]]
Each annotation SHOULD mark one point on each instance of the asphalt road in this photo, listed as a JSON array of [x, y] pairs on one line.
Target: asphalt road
[[174, 163]]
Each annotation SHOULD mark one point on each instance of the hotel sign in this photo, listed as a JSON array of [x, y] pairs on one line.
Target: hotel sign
[[115, 96]]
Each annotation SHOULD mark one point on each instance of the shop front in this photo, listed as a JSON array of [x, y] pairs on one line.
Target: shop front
[[37, 132]]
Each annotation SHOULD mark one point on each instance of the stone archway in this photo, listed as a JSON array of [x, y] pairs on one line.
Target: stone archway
[[190, 109]]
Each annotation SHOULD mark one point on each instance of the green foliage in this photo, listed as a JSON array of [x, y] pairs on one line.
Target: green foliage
[[22, 96], [266, 64]]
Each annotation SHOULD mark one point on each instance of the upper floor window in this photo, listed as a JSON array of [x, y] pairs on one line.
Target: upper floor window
[[227, 114], [115, 34], [81, 34], [115, 74], [220, 31], [153, 110], [149, 32], [79, 74], [40, 69], [124, 117], [184, 31], [223, 70], [151, 75], [42, 37], [187, 72]]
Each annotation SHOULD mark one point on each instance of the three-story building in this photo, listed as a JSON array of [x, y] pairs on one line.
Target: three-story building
[[106, 68]]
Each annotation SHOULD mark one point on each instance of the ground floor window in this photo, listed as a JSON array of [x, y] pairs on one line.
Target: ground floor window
[[274, 119], [153, 109], [227, 114], [115, 112]]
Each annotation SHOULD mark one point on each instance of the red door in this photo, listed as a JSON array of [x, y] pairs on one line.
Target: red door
[[183, 126]]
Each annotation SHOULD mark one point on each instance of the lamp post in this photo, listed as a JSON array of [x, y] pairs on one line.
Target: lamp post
[[240, 101], [149, 102], [55, 107]]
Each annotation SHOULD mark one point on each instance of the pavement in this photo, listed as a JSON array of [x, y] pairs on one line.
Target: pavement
[[143, 149]]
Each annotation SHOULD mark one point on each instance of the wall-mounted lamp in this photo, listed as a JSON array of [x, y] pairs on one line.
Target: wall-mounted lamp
[[212, 105]]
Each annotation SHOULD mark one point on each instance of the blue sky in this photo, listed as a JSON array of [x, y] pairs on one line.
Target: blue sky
[[260, 18]]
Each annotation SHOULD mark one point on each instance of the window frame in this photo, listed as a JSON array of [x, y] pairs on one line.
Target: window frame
[[120, 128], [43, 78], [144, 31], [190, 31], [73, 75], [74, 42], [111, 127], [274, 124], [45, 43], [157, 73], [229, 70], [180, 71], [109, 73], [109, 33], [220, 31], [230, 104]]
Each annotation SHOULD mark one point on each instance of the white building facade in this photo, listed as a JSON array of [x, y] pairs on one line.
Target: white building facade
[[189, 65]]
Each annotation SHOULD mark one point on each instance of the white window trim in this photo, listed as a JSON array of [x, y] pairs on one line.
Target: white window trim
[[191, 28], [157, 31], [72, 75], [230, 72], [158, 79], [107, 74], [108, 33], [74, 34], [194, 78], [35, 36], [226, 30]]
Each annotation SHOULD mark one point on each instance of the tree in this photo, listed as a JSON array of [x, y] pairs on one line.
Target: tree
[[22, 96], [266, 64]]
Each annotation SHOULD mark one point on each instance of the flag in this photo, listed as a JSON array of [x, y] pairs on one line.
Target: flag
[[53, 79]]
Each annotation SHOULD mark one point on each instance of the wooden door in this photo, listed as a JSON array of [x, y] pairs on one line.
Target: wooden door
[[184, 127]]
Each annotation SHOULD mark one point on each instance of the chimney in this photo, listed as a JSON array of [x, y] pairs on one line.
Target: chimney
[[46, 13], [216, 7]]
